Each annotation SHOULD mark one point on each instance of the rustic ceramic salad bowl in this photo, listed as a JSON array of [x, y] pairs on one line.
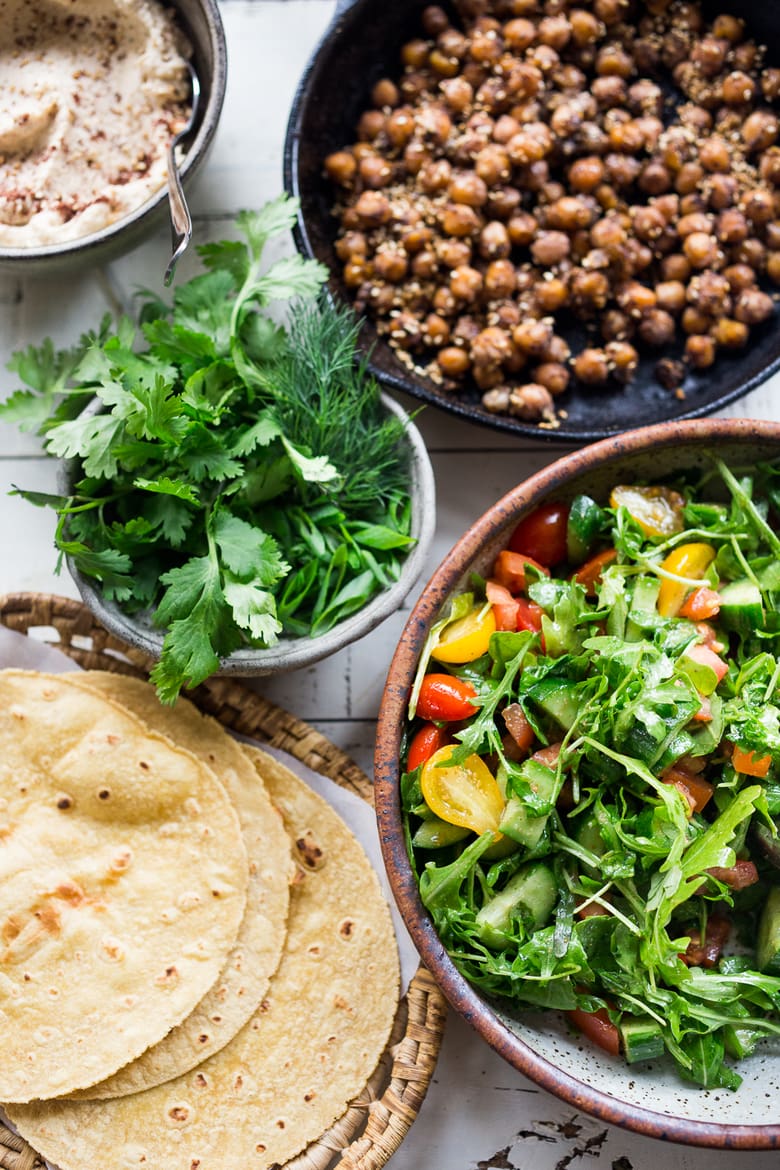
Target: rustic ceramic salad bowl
[[648, 1097]]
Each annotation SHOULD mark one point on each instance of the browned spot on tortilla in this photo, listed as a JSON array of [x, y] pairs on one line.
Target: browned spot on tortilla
[[311, 854], [347, 928]]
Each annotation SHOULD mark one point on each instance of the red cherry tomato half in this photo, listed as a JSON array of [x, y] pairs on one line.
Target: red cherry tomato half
[[529, 615], [542, 534], [425, 743], [445, 698]]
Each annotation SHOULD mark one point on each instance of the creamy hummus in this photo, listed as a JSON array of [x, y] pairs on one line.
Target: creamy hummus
[[91, 93]]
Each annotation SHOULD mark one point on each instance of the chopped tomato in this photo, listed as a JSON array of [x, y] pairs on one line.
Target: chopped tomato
[[445, 698], [518, 727], [589, 575], [509, 570], [749, 764], [548, 755], [565, 801], [703, 603], [706, 952], [737, 877], [529, 615], [707, 657], [704, 714], [425, 742], [699, 789], [465, 794], [598, 1027], [686, 794], [542, 534], [504, 605], [709, 636], [591, 910]]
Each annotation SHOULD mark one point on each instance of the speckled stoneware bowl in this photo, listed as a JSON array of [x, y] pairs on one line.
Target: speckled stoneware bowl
[[202, 24], [650, 1099], [291, 653]]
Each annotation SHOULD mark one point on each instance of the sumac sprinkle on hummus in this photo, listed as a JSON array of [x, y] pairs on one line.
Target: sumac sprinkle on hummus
[[91, 93]]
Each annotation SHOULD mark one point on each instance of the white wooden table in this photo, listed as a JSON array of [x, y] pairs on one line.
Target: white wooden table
[[480, 1114]]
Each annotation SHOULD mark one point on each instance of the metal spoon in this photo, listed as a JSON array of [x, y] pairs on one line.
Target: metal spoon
[[181, 220]]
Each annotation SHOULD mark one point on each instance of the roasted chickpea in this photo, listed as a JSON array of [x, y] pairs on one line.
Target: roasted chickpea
[[491, 347], [500, 279], [700, 351], [671, 295], [453, 361], [656, 327], [753, 306], [585, 27], [585, 174], [714, 154], [729, 333], [522, 228], [553, 375], [341, 167], [760, 130], [532, 337], [466, 283], [701, 249], [530, 402], [616, 325], [550, 248], [551, 295], [738, 88], [591, 367], [622, 359]]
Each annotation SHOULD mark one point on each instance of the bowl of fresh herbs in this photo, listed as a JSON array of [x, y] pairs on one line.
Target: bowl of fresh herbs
[[237, 495], [577, 780]]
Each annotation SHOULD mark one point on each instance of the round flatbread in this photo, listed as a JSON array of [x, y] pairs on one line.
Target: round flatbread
[[305, 1054], [123, 882], [258, 948]]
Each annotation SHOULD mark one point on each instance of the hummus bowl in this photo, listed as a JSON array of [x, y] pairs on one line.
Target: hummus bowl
[[648, 1096], [144, 50]]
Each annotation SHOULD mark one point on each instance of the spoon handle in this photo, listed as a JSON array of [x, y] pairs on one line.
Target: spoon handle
[[181, 220]]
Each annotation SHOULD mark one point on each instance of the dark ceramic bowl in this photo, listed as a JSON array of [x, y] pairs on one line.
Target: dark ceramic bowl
[[650, 1100], [202, 24], [362, 45]]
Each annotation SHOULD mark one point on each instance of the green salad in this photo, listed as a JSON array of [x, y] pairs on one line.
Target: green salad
[[592, 769]]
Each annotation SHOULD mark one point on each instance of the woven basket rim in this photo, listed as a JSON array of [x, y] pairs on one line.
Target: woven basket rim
[[375, 1124]]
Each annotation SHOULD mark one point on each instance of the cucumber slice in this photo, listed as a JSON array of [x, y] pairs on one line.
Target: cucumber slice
[[516, 821], [641, 1039], [532, 889], [741, 607], [768, 941], [436, 833], [559, 699]]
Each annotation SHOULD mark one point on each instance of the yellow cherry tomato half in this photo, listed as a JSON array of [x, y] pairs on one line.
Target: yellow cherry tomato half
[[657, 510], [465, 794], [467, 638], [687, 560]]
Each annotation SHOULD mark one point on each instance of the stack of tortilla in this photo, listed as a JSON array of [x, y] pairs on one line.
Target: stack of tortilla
[[198, 970]]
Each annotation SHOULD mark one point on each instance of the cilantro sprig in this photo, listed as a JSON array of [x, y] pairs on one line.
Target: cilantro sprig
[[237, 479]]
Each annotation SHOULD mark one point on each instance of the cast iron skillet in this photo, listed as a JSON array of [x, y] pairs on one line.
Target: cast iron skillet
[[361, 45]]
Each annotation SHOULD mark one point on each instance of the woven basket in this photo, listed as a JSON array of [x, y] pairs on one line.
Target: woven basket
[[377, 1121]]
